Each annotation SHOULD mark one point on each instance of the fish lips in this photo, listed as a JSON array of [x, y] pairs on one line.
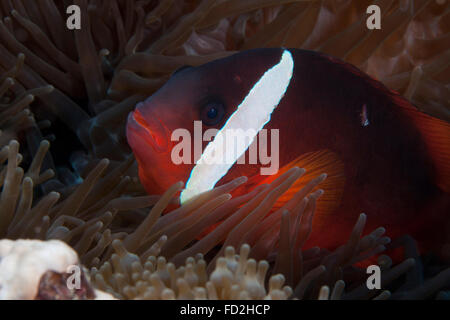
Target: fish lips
[[150, 130]]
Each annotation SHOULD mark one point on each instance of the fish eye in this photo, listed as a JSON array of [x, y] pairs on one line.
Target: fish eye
[[212, 113]]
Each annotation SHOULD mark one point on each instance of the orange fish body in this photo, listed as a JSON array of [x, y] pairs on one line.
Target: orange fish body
[[382, 156]]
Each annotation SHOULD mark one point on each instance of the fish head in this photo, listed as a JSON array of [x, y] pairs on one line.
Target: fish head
[[207, 94]]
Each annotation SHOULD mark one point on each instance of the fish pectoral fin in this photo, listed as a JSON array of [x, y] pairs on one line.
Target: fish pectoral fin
[[436, 133], [315, 164]]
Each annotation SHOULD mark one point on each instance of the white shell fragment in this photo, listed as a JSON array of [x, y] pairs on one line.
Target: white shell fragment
[[24, 262]]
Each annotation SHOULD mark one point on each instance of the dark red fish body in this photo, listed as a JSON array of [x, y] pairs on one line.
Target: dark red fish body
[[389, 163]]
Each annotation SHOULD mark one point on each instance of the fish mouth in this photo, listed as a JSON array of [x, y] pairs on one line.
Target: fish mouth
[[150, 130]]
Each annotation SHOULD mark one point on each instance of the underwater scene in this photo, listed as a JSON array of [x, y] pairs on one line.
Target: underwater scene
[[224, 150]]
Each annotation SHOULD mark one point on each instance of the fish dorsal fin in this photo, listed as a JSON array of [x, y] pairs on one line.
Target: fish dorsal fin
[[315, 164], [436, 134]]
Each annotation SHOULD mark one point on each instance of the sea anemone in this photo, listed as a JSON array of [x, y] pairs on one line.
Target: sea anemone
[[277, 240], [234, 277], [67, 173]]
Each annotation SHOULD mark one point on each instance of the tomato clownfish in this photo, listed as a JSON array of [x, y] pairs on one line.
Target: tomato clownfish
[[382, 156]]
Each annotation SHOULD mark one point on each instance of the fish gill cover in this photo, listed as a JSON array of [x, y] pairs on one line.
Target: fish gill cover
[[68, 174]]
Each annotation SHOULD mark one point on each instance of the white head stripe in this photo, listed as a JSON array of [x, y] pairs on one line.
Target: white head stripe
[[251, 116]]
